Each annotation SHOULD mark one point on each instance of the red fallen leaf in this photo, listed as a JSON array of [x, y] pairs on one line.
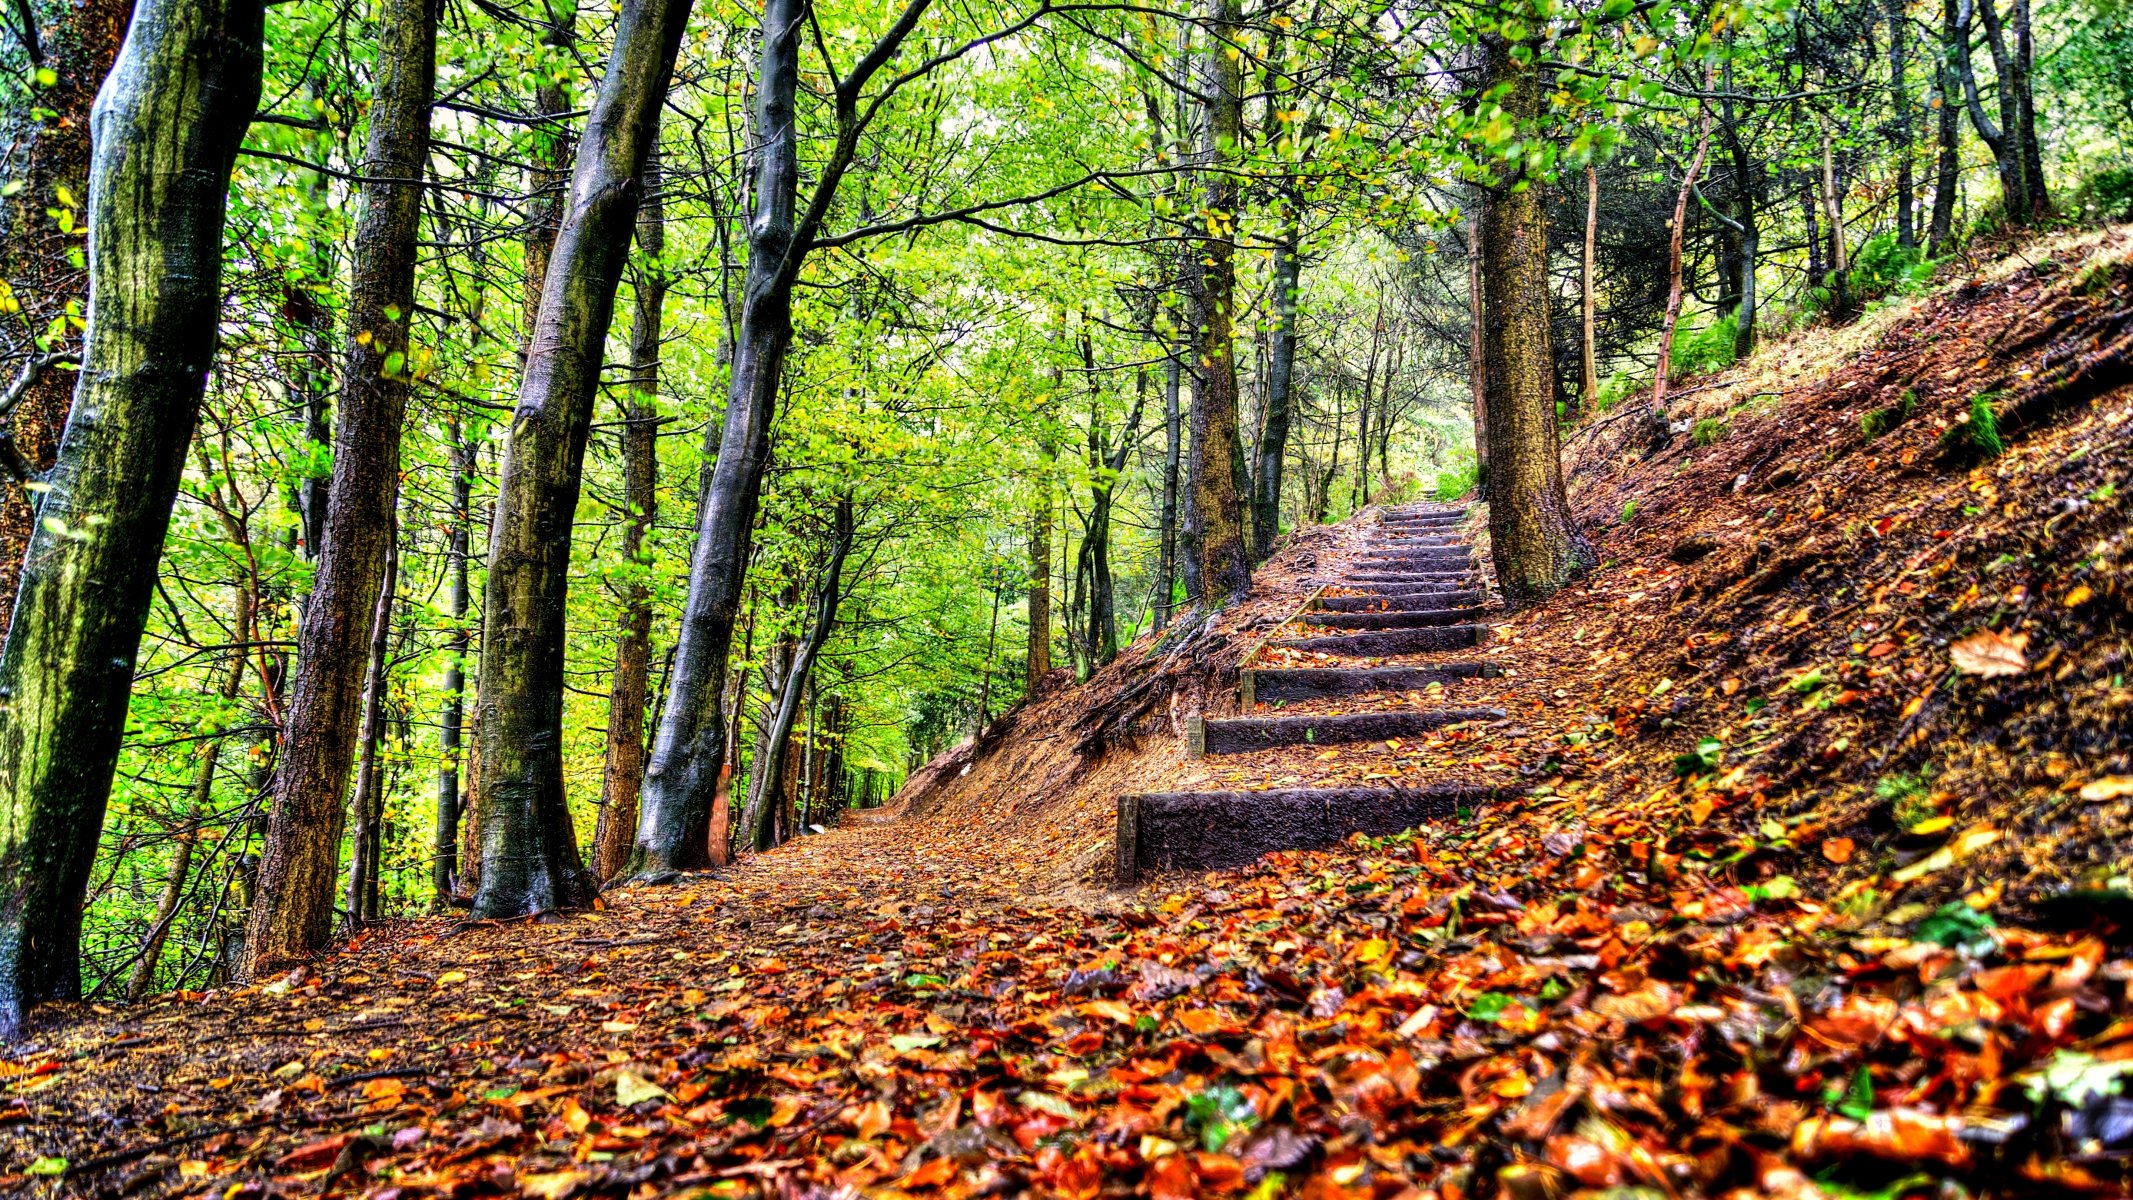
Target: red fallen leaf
[[1218, 1172], [1897, 1134], [1838, 850], [1171, 1178], [1076, 1178], [930, 1174], [1881, 650], [316, 1156], [1586, 1161]]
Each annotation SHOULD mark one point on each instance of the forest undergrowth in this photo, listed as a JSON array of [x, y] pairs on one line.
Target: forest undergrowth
[[1809, 878]]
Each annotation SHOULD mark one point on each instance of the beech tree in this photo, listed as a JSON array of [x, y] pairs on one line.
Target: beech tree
[[167, 125]]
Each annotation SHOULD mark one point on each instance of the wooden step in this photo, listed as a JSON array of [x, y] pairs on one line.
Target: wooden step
[[1431, 521], [1168, 831], [1447, 577], [1418, 542], [1422, 560], [1430, 601], [1242, 735], [1410, 619], [1392, 641], [1319, 683]]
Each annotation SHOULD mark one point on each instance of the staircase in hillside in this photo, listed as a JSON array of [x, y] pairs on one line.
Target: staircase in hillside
[[1412, 596]]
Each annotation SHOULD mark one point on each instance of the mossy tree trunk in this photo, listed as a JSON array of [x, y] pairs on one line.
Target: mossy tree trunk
[[1533, 535], [1211, 472], [167, 125], [292, 915]]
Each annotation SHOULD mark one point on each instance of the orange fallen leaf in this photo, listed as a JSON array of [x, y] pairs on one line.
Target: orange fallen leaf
[[1838, 850], [1990, 653]]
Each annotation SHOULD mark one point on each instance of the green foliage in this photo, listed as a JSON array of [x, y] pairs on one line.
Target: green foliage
[[1708, 349], [1709, 431], [1884, 268], [1458, 479], [1702, 760], [1957, 926], [2106, 195], [1619, 386]]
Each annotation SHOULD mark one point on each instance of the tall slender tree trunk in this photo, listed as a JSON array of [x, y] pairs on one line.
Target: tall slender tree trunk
[[444, 860], [1677, 233], [292, 917], [1280, 376], [1947, 163], [2002, 139], [1840, 270], [1225, 563], [529, 848], [367, 846], [2022, 79], [1589, 285], [1477, 343], [1167, 566], [167, 126], [1533, 536], [47, 136], [623, 777], [1038, 648], [1900, 105]]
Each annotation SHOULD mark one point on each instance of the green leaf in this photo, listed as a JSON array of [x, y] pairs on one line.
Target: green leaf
[[906, 1042], [50, 1164]]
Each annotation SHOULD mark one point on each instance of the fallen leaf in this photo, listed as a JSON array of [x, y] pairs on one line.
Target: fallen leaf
[[1990, 653], [1838, 850], [632, 1089]]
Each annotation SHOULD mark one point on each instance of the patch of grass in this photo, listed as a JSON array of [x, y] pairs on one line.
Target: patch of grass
[[1461, 477], [1883, 268], [1881, 420], [2106, 195], [1709, 431], [1629, 509], [1977, 436], [1620, 386]]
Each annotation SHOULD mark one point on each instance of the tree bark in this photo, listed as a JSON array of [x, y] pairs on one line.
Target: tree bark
[[1477, 344], [1588, 323], [1280, 376], [1225, 563], [2022, 80], [444, 862], [2001, 139], [1167, 567], [47, 138], [1900, 105], [1840, 267], [530, 860], [367, 845], [167, 126], [292, 919], [623, 777], [1677, 232], [1948, 164], [1533, 535]]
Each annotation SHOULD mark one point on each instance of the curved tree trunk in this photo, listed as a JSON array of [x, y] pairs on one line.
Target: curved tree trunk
[[623, 775], [167, 126], [773, 767], [47, 153], [529, 850], [292, 917], [1533, 535]]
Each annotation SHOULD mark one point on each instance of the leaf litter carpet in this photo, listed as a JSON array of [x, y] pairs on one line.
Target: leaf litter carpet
[[1814, 884]]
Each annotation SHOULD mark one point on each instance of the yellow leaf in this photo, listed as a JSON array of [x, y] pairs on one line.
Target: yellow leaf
[[2110, 787], [2079, 596], [1990, 653], [451, 977]]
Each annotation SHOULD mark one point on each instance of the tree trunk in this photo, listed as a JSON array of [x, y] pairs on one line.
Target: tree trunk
[[772, 768], [530, 860], [367, 845], [47, 138], [1038, 649], [1900, 105], [548, 179], [293, 917], [1225, 564], [1477, 344], [2001, 139], [1589, 324], [1840, 270], [624, 773], [444, 862], [167, 126], [1167, 567], [1533, 535], [1280, 376], [1677, 232], [1948, 163], [2022, 80]]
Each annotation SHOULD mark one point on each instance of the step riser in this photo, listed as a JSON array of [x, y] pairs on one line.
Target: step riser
[[1448, 579], [1319, 683], [1246, 734], [1413, 602], [1421, 619], [1416, 562], [1399, 641], [1169, 831]]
